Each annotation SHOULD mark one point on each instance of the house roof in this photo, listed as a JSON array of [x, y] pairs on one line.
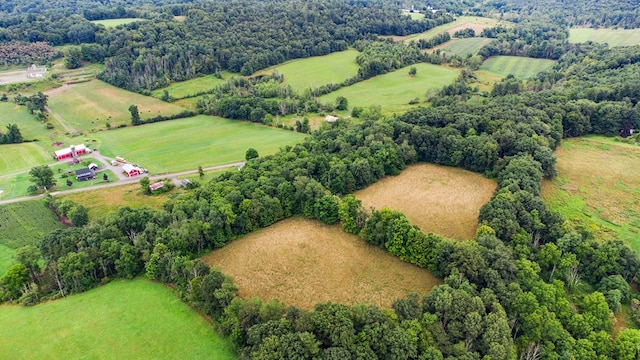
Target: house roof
[[84, 172], [128, 167], [156, 186]]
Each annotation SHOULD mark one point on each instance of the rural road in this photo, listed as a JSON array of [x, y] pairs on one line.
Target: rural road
[[126, 181]]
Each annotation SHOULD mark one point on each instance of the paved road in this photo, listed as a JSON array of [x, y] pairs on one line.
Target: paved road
[[126, 181]]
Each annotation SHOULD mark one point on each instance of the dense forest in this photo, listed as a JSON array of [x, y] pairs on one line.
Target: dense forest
[[531, 285]]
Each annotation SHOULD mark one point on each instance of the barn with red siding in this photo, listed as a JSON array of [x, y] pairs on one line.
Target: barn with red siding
[[130, 170], [68, 152]]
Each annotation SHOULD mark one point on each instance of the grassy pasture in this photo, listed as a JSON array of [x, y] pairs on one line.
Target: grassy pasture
[[185, 144], [303, 262], [598, 186], [99, 202], [477, 23], [108, 23], [318, 70], [30, 128], [520, 67], [613, 37], [6, 259], [187, 88], [438, 199], [121, 320], [463, 47], [21, 157], [25, 223], [89, 105], [395, 88]]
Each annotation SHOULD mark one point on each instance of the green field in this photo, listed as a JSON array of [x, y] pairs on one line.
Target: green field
[[6, 259], [90, 105], [597, 188], [30, 128], [21, 157], [613, 37], [185, 144], [463, 47], [395, 88], [414, 15], [475, 22], [520, 67], [25, 223], [317, 71], [185, 89], [136, 319], [115, 22]]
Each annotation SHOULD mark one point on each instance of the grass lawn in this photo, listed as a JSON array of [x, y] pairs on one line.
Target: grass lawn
[[439, 199], [121, 320], [414, 15], [184, 89], [25, 223], [613, 37], [302, 262], [463, 47], [318, 70], [597, 186], [115, 22], [476, 23], [22, 157], [99, 202], [90, 105], [6, 259], [395, 88], [520, 67], [185, 144]]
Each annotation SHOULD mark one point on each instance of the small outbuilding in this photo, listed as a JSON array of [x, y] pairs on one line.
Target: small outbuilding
[[155, 186], [93, 166], [130, 170], [85, 174], [331, 119]]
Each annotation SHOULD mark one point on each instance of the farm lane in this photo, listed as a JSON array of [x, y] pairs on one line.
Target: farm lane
[[124, 182], [106, 161]]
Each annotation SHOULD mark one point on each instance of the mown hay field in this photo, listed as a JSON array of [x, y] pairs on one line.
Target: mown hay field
[[30, 128], [189, 88], [100, 202], [613, 37], [115, 22], [437, 199], [464, 47], [137, 319], [520, 67], [476, 23], [315, 71], [302, 262], [90, 105], [185, 144], [395, 88], [22, 157], [598, 186]]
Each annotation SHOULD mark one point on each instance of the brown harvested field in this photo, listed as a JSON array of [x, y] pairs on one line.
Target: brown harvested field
[[438, 199], [303, 262]]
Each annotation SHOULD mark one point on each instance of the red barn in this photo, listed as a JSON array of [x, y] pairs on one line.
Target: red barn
[[130, 170], [69, 152]]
